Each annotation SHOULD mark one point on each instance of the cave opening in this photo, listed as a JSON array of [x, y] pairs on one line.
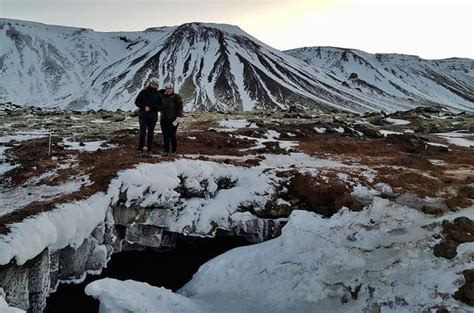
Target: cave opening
[[170, 268]]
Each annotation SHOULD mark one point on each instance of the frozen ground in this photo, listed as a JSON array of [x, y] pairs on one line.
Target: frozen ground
[[376, 256], [375, 260]]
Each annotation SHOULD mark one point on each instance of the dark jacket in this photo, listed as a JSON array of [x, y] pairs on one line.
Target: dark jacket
[[172, 106], [149, 97]]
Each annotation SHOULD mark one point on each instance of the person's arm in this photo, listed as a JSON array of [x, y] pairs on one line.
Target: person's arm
[[160, 100], [139, 101], [179, 105]]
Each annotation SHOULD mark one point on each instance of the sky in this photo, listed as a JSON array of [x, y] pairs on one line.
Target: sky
[[431, 29]]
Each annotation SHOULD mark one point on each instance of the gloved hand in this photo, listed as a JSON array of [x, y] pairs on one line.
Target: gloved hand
[[177, 121]]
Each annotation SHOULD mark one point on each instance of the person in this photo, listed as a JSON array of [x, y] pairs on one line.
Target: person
[[171, 114], [149, 103]]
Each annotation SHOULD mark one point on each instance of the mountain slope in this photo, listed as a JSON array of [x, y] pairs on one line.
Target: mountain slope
[[448, 82], [213, 66]]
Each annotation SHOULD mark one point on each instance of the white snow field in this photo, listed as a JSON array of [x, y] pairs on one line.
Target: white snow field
[[377, 258]]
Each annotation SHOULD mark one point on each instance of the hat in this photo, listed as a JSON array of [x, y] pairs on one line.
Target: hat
[[153, 80], [168, 85]]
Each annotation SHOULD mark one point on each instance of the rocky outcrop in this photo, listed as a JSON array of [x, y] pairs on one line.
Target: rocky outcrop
[[133, 228]]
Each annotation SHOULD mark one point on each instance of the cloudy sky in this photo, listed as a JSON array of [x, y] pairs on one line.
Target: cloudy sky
[[428, 28]]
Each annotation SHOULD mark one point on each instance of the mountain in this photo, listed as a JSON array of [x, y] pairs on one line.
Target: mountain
[[405, 78], [214, 67]]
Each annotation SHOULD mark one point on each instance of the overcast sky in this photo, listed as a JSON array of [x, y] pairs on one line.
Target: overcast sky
[[429, 28]]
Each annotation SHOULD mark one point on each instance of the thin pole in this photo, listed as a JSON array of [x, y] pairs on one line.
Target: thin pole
[[49, 145]]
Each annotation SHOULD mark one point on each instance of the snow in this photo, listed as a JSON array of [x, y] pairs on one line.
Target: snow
[[269, 136], [437, 162], [232, 125], [139, 297], [217, 206], [5, 308], [401, 78], [18, 198], [397, 122], [301, 161], [99, 121], [389, 132], [307, 267], [340, 130], [320, 130], [434, 144], [272, 134], [88, 146], [67, 225], [457, 138], [70, 223], [16, 138]]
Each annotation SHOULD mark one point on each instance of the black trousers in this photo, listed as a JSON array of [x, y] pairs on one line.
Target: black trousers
[[169, 135], [147, 128]]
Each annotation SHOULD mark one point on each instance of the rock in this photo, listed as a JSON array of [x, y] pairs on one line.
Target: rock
[[118, 119], [72, 262], [466, 293], [469, 275], [353, 76], [27, 286], [459, 231], [446, 249], [368, 131], [144, 235]]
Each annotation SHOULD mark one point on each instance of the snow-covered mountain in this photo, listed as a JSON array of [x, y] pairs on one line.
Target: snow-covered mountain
[[447, 82], [214, 67]]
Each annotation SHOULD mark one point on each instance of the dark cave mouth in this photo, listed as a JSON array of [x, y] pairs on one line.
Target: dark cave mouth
[[170, 268]]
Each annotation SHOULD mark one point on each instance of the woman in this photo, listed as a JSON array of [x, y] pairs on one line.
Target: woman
[[149, 103], [171, 114]]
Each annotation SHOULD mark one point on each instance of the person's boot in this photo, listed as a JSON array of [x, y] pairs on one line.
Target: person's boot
[[139, 154]]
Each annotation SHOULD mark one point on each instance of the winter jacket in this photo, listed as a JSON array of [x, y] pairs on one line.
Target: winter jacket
[[172, 106], [149, 97]]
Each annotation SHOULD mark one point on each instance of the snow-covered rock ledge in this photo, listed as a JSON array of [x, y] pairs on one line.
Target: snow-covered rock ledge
[[141, 207], [377, 260]]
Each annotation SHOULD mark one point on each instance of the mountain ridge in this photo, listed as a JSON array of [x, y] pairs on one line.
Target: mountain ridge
[[214, 66]]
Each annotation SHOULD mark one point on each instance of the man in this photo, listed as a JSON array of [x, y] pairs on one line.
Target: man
[[149, 103], [171, 114]]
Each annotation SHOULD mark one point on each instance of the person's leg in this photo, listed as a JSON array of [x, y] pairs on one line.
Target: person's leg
[[142, 132], [174, 141], [151, 133], [165, 132]]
